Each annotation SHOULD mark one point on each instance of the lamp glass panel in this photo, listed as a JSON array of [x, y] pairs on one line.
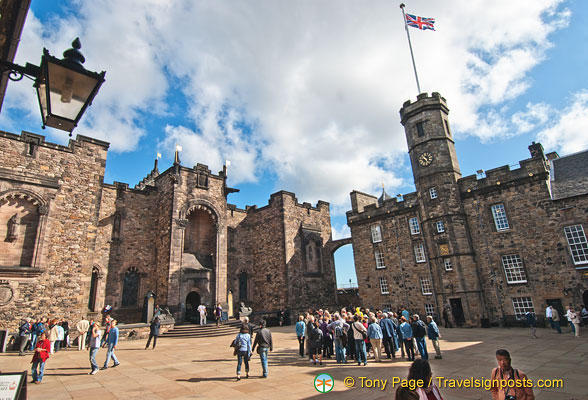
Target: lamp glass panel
[[69, 91]]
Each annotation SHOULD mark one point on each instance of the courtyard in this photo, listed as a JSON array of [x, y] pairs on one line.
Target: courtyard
[[205, 368]]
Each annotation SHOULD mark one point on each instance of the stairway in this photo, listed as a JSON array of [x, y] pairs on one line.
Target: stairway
[[202, 331]]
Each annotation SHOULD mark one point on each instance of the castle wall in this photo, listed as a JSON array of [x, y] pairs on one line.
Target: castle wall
[[64, 185]]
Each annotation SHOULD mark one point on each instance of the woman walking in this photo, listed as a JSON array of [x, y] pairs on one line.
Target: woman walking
[[242, 343], [95, 336], [153, 332]]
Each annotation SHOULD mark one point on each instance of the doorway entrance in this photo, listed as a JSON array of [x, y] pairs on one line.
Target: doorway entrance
[[457, 311], [192, 303]]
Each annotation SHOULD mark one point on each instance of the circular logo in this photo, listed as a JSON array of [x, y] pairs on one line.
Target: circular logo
[[324, 383]]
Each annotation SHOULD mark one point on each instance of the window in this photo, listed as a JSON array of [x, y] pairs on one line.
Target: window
[[420, 129], [243, 283], [500, 219], [447, 128], [387, 307], [440, 226], [414, 226], [429, 309], [433, 193], [426, 287], [376, 233], [577, 243], [513, 269], [130, 288], [521, 305], [379, 259], [448, 265], [419, 253], [384, 286]]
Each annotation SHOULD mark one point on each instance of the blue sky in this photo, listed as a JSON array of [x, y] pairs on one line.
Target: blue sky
[[304, 96]]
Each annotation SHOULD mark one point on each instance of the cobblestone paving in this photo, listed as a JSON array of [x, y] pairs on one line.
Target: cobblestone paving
[[205, 368]]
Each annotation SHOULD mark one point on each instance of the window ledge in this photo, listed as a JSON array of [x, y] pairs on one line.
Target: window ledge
[[20, 272]]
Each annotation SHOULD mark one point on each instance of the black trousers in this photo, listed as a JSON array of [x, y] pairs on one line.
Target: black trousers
[[389, 346], [301, 342], [409, 349], [149, 340]]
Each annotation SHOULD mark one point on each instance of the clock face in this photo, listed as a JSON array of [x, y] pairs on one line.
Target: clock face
[[425, 159]]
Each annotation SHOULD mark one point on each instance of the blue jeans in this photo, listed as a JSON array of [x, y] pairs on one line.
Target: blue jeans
[[422, 345], [573, 327], [110, 353], [39, 376], [339, 351], [93, 351], [263, 351], [242, 356], [33, 341], [360, 351]]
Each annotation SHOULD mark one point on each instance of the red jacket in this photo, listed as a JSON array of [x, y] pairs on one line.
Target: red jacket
[[42, 355]]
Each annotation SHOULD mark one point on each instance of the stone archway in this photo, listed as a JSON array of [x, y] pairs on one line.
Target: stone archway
[[193, 300]]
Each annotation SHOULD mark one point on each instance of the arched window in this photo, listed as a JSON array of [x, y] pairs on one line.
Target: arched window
[[93, 289], [130, 287], [243, 285]]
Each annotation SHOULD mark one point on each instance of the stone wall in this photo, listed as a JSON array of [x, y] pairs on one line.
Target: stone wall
[[65, 183]]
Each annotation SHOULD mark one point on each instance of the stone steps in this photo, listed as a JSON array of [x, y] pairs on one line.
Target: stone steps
[[201, 331]]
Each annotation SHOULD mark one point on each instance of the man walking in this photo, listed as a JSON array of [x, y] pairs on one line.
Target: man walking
[[83, 326], [549, 316], [263, 339], [555, 318], [532, 321], [112, 341], [434, 335], [24, 333]]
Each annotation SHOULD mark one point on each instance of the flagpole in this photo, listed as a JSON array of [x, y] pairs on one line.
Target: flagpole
[[410, 46]]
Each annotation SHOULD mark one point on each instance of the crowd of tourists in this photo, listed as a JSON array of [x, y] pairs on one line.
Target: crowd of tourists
[[358, 334]]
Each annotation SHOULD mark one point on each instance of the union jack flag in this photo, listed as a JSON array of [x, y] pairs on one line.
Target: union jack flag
[[420, 22]]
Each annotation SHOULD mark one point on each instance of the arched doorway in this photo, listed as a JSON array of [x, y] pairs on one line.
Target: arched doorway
[[192, 303]]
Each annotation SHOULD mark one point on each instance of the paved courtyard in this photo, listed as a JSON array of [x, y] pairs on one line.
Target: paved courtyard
[[205, 368]]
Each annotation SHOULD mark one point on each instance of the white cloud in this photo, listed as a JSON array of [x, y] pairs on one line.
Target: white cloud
[[340, 232], [568, 131], [535, 115], [308, 92]]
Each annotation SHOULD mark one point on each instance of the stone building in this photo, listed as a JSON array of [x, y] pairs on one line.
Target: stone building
[[485, 247], [72, 244]]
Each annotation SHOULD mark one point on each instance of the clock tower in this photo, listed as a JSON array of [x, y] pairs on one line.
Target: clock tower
[[441, 213]]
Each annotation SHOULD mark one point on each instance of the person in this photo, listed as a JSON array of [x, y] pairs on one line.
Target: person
[[34, 333], [249, 325], [53, 335], [60, 342], [42, 350], [300, 334], [374, 333], [315, 342], [555, 319], [65, 341], [404, 312], [446, 318], [549, 316], [82, 326], [309, 326], [338, 329], [419, 330], [359, 336], [153, 332], [95, 336], [218, 313], [202, 311], [422, 384], [434, 335], [107, 321], [112, 342], [242, 344], [574, 320], [327, 346], [263, 339], [388, 335], [505, 372], [406, 332], [532, 322], [156, 311], [351, 338], [24, 334], [584, 315]]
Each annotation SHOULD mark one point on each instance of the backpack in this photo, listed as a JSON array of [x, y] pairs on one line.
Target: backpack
[[418, 329], [339, 331]]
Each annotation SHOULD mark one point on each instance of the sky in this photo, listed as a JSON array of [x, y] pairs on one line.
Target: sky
[[304, 95]]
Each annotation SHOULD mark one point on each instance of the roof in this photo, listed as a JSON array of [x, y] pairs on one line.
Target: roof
[[383, 197], [569, 175]]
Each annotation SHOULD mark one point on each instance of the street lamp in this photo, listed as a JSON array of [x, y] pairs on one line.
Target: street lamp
[[64, 87]]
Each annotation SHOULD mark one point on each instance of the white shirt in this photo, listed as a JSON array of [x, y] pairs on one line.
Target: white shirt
[[548, 313], [202, 309], [569, 315], [95, 341]]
